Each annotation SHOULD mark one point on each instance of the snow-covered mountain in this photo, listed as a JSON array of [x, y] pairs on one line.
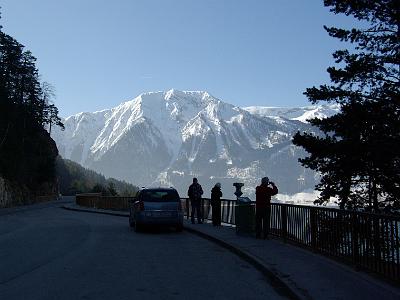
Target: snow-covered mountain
[[166, 138], [301, 114]]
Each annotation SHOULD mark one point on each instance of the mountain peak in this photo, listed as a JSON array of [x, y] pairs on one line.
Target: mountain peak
[[172, 93]]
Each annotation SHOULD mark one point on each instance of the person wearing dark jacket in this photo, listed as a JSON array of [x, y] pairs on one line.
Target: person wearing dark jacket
[[194, 192], [263, 206], [216, 195]]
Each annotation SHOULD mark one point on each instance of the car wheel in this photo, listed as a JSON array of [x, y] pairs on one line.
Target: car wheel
[[179, 228]]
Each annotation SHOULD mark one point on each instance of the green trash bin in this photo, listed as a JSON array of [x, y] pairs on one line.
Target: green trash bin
[[245, 216]]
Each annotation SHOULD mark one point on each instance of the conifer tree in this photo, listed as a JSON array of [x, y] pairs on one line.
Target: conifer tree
[[27, 152], [357, 151]]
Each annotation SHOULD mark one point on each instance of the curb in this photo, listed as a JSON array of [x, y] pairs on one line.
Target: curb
[[277, 284]]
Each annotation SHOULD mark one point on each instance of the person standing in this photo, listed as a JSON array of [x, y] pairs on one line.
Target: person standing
[[263, 206], [216, 195], [194, 192]]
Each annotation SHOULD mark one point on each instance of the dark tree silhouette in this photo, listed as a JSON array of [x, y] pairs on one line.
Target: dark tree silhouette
[[27, 152], [357, 151]]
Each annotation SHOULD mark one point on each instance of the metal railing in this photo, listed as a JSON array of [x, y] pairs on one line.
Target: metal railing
[[227, 209], [368, 241]]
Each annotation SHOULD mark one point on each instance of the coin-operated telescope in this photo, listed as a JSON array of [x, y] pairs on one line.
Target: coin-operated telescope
[[238, 186]]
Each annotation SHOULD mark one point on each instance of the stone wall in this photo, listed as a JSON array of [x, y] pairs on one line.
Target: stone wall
[[5, 195], [12, 194]]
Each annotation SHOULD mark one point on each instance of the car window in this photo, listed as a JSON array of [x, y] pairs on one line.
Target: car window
[[160, 196]]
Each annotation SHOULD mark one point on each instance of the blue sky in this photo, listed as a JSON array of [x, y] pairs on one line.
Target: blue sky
[[98, 54]]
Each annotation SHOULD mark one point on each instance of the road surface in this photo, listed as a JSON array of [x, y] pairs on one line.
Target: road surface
[[47, 252]]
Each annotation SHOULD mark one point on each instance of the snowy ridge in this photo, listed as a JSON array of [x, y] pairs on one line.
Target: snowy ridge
[[301, 114]]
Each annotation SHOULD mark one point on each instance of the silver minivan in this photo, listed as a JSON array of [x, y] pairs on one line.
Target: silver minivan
[[156, 206]]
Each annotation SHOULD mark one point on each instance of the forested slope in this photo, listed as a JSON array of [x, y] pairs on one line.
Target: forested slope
[[74, 179]]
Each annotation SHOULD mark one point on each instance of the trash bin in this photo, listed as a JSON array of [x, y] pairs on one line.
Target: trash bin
[[245, 215]]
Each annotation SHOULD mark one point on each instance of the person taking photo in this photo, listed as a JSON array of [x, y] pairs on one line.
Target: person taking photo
[[264, 192]]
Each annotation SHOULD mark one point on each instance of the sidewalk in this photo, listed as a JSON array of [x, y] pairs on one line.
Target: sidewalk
[[308, 275]]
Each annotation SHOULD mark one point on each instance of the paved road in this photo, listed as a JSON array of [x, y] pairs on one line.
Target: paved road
[[51, 253]]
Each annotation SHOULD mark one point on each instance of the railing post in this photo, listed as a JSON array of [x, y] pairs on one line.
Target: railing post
[[187, 208], [284, 222], [354, 238], [313, 228], [377, 239], [202, 209]]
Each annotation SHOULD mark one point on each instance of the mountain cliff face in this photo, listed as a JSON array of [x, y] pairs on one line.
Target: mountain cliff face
[[166, 138]]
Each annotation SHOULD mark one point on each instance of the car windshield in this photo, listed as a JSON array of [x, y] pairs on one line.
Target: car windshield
[[160, 196]]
